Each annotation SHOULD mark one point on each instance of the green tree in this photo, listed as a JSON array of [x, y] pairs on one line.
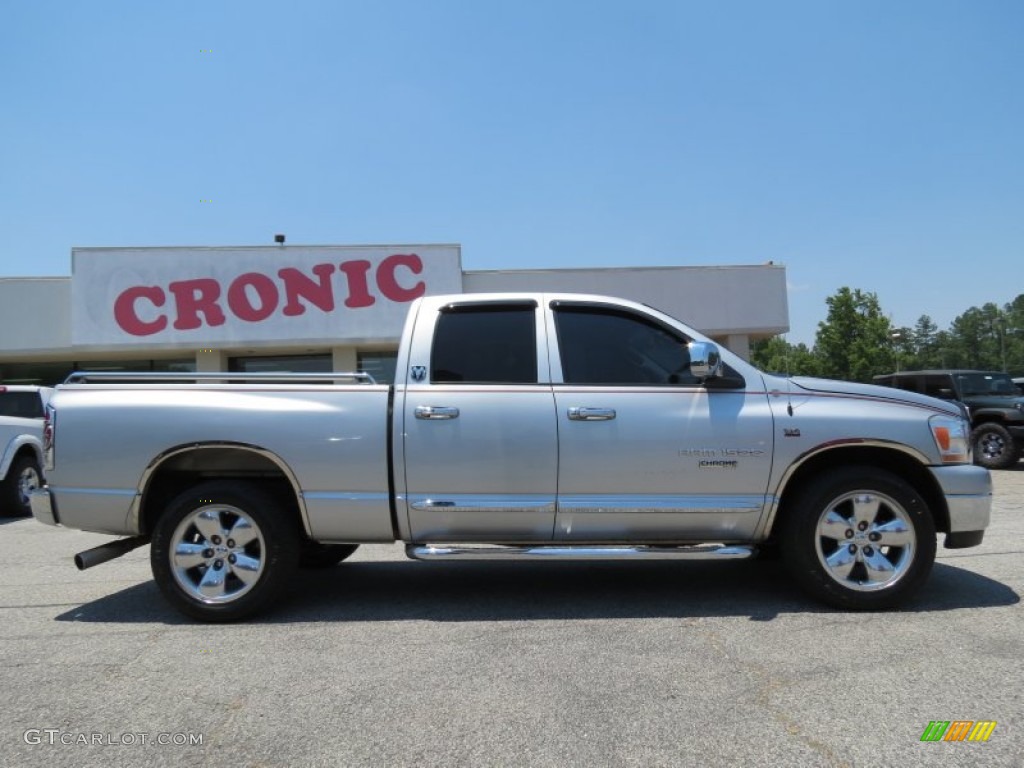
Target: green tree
[[904, 348], [855, 340], [971, 339], [926, 344], [1014, 335], [943, 353], [990, 337], [776, 355]]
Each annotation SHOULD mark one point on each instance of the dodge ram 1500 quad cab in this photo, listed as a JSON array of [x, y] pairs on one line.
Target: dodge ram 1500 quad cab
[[521, 425]]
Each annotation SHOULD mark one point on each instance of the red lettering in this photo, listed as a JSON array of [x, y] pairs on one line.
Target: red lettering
[[298, 285], [129, 320], [194, 296], [358, 288], [238, 297], [388, 284], [253, 297]]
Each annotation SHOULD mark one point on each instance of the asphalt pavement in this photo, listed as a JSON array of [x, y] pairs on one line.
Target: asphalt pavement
[[390, 662]]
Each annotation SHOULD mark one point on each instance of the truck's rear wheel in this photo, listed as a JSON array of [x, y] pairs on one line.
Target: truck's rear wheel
[[859, 538], [994, 446], [224, 550]]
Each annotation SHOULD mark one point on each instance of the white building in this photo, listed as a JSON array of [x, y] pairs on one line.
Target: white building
[[314, 308]]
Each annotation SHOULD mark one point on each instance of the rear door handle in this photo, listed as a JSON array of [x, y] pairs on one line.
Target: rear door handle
[[577, 413], [436, 412]]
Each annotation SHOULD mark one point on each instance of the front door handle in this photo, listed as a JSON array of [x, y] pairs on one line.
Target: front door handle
[[436, 412], [577, 413]]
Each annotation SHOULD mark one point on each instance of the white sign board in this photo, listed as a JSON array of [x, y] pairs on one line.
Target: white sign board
[[199, 297]]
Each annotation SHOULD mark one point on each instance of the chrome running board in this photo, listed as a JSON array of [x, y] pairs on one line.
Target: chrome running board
[[589, 552]]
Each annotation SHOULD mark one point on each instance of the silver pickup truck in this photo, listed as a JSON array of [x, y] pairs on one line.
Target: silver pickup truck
[[529, 426]]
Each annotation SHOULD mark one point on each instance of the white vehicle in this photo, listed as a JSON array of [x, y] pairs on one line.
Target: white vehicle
[[22, 409]]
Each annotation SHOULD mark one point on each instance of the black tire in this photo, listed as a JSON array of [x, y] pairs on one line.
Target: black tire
[[994, 446], [224, 550], [847, 516], [22, 476], [317, 555]]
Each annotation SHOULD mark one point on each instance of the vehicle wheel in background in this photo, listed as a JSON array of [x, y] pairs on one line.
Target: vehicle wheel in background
[[317, 555], [858, 538], [994, 446], [22, 477], [224, 550]]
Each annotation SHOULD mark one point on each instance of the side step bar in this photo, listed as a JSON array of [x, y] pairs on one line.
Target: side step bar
[[592, 552]]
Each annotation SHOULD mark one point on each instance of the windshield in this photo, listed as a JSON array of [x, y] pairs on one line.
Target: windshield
[[987, 384]]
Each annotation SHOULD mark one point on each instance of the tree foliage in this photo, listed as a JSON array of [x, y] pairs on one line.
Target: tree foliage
[[857, 341], [854, 341], [776, 355]]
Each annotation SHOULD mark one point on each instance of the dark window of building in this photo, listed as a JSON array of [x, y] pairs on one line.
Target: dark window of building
[[41, 374], [117, 366], [380, 365], [50, 374], [492, 344], [281, 364], [175, 366]]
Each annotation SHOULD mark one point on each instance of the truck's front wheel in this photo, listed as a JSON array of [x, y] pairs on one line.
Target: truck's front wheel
[[859, 538], [224, 550]]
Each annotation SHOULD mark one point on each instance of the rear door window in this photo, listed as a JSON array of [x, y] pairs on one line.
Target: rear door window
[[939, 386], [485, 344]]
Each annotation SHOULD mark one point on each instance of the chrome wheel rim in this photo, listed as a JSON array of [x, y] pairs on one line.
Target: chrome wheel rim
[[865, 541], [28, 481], [992, 445], [218, 554]]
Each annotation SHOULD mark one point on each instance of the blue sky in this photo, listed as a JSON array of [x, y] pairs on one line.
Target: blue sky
[[872, 144]]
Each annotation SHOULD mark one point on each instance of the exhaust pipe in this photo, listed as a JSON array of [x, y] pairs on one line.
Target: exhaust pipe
[[108, 551]]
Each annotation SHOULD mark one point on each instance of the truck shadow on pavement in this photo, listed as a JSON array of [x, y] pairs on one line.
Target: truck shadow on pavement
[[373, 591]]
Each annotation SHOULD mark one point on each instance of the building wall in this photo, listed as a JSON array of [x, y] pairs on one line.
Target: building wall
[[41, 319], [35, 316], [718, 301]]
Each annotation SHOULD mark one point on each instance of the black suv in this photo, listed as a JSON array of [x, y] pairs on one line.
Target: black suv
[[993, 401]]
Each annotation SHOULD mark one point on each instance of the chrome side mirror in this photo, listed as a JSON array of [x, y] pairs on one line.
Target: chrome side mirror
[[705, 360]]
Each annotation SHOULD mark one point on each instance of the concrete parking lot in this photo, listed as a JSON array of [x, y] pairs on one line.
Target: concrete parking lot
[[385, 661]]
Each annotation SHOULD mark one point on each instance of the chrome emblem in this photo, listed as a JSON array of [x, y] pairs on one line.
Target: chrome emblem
[[418, 372]]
